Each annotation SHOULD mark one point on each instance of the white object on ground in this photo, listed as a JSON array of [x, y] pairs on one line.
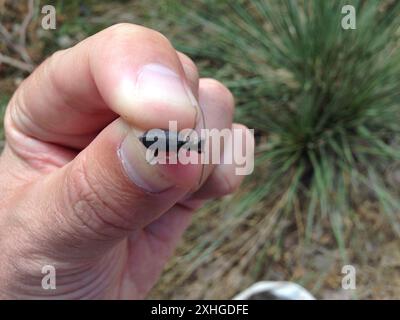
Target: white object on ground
[[281, 289]]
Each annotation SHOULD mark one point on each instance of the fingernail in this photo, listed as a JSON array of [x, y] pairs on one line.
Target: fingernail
[[146, 176], [152, 93], [156, 81]]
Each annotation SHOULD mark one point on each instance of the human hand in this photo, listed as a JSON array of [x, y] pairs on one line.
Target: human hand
[[76, 190]]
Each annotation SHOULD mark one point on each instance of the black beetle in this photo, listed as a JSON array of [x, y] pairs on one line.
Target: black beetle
[[169, 141]]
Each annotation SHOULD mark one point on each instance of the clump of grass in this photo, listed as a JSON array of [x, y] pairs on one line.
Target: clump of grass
[[325, 102]]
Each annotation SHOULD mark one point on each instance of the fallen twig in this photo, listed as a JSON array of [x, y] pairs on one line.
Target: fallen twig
[[22, 32], [16, 63], [19, 47]]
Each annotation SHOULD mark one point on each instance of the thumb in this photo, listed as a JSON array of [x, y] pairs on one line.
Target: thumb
[[105, 193]]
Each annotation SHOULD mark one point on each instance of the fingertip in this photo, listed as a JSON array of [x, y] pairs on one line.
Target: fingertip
[[191, 72], [153, 97], [216, 99]]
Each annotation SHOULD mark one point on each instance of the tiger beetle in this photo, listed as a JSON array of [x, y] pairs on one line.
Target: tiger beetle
[[169, 141]]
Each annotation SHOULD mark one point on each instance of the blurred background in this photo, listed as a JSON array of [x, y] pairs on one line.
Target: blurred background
[[325, 106]]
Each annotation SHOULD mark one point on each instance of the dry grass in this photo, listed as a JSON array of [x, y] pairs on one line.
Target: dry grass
[[317, 266]]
